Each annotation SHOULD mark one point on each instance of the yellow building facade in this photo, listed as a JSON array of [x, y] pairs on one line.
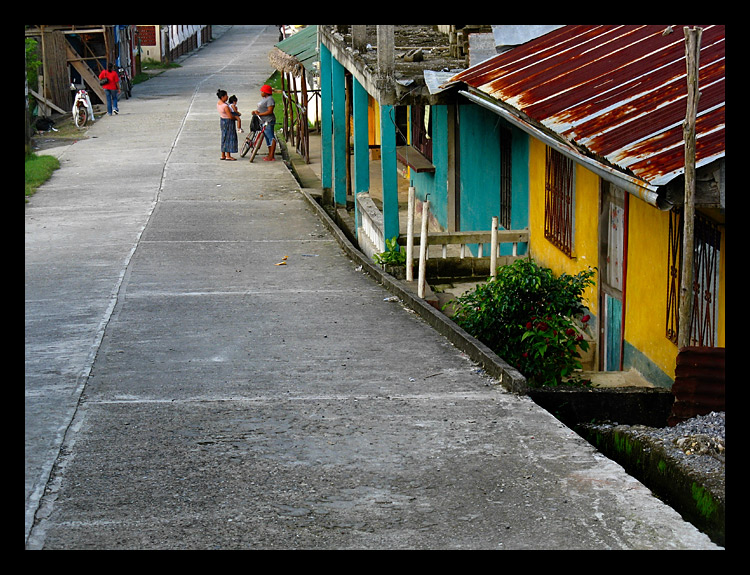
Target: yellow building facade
[[646, 347]]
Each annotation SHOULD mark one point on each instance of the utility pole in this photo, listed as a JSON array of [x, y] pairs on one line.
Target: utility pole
[[692, 52], [27, 135]]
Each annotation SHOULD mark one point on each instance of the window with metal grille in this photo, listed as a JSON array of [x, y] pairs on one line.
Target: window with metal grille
[[558, 201], [505, 177], [704, 309], [674, 251]]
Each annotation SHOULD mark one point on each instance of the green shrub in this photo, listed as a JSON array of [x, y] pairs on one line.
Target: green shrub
[[527, 316], [393, 254]]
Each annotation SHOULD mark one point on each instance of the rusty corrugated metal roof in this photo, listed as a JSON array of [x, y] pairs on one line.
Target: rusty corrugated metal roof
[[620, 91]]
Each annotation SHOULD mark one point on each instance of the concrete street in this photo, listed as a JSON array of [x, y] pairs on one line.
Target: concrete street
[[183, 391]]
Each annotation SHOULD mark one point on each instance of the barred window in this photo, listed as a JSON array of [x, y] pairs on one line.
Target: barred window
[[558, 201], [674, 256], [505, 177], [704, 309]]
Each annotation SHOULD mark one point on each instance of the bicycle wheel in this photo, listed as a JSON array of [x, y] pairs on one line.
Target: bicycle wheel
[[256, 147], [81, 116], [246, 145]]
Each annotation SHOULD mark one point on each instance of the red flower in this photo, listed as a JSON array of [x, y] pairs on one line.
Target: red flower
[[585, 318], [570, 331], [528, 325]]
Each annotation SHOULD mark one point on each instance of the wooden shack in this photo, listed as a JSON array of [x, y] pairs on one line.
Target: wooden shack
[[74, 54]]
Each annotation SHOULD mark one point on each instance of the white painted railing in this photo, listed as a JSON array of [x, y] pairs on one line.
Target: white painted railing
[[371, 240], [369, 225]]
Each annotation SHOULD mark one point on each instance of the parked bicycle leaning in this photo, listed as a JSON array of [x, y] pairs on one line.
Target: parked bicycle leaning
[[126, 86], [254, 139]]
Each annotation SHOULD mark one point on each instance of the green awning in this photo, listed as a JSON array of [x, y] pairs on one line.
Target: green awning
[[298, 52]]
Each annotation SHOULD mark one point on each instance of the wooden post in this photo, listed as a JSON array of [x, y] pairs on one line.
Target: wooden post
[[386, 52], [340, 142], [423, 249], [692, 52], [326, 120], [493, 253], [410, 236], [389, 170], [359, 37]]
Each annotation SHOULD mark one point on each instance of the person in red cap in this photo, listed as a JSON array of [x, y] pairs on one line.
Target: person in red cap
[[265, 113]]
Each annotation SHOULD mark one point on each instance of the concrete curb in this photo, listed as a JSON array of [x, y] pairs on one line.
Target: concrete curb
[[509, 377]]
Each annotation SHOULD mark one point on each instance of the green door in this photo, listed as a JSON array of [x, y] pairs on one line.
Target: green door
[[612, 333]]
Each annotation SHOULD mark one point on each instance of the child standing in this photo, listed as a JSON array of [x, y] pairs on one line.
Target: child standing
[[232, 101]]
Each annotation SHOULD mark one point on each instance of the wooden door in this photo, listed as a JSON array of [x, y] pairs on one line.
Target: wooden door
[[612, 254]]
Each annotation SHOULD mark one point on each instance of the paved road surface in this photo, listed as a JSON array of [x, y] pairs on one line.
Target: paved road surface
[[185, 392]]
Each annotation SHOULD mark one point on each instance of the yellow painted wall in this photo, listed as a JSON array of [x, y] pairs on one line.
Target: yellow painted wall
[[585, 242], [646, 295], [373, 121], [645, 315], [646, 287]]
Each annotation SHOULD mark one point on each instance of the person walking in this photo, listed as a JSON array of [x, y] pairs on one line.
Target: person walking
[[265, 114], [110, 81], [228, 129]]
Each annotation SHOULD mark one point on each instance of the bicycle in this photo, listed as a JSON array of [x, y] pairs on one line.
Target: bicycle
[[254, 138], [126, 86], [82, 109]]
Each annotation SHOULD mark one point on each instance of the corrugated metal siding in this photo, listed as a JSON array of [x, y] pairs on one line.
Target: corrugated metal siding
[[619, 91], [699, 383]]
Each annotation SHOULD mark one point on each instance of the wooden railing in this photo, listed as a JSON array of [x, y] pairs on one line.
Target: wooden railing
[[464, 239], [371, 240]]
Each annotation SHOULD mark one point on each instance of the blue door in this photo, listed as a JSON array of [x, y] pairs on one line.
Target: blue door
[[612, 333]]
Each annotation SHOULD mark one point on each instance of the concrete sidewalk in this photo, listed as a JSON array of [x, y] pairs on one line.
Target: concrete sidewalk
[[185, 391]]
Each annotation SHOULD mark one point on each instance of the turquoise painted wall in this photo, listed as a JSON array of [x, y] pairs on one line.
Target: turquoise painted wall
[[479, 141], [479, 201], [436, 184], [479, 137]]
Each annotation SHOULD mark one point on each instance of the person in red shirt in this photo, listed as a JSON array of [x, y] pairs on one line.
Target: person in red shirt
[[111, 87]]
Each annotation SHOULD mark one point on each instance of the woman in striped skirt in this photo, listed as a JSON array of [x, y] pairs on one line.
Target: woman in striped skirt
[[228, 127]]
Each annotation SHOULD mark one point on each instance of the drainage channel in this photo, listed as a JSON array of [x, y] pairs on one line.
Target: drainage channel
[[682, 465]]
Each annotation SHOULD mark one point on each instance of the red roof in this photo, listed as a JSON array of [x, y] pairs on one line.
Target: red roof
[[620, 91]]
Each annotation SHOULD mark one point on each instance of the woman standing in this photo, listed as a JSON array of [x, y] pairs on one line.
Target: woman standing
[[266, 114], [228, 130]]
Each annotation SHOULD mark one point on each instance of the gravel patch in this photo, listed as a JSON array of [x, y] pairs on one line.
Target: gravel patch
[[694, 454], [696, 443]]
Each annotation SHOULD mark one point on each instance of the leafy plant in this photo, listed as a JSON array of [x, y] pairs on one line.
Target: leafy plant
[[526, 315], [393, 254]]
